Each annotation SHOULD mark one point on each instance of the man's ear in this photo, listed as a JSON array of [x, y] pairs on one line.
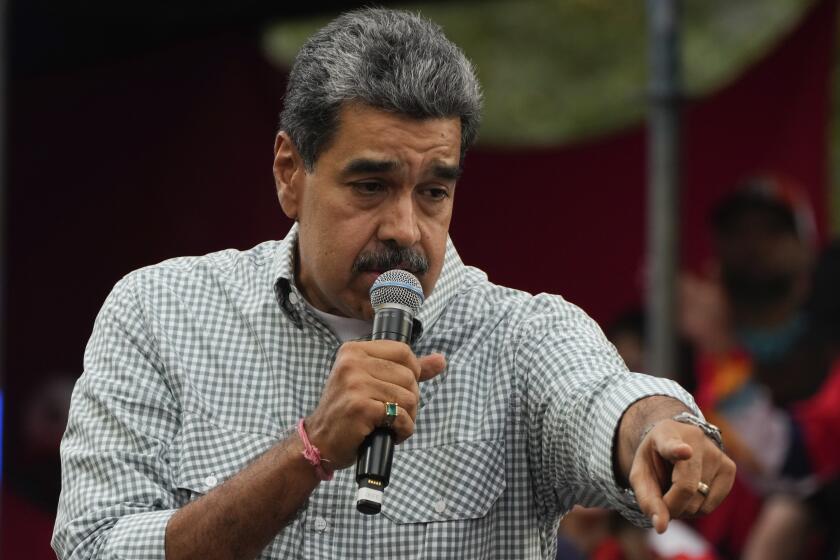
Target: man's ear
[[289, 175]]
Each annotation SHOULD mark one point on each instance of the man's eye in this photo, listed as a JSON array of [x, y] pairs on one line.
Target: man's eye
[[369, 187], [437, 193]]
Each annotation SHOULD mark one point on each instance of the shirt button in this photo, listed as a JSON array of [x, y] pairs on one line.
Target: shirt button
[[320, 524], [211, 481], [440, 506], [293, 298]]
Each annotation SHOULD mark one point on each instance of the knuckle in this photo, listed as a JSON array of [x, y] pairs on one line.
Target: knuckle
[[707, 507], [407, 379], [385, 347], [405, 354], [346, 364], [729, 483], [343, 349], [410, 360], [355, 408], [358, 408], [729, 465], [349, 348], [352, 387], [411, 401], [693, 508], [353, 384], [411, 412], [372, 418]]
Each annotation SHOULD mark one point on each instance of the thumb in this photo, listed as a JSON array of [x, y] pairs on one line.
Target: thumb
[[673, 449], [431, 366]]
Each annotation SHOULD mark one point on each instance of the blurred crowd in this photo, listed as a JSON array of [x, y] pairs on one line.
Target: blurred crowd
[[32, 475], [760, 351]]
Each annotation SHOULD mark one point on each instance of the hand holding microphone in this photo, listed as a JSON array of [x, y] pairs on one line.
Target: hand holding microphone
[[364, 377], [395, 296]]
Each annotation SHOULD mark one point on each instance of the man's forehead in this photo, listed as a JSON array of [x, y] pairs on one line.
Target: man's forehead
[[368, 139]]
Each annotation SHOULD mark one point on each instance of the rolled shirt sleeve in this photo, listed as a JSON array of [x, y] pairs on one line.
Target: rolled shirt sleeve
[[117, 490], [577, 391]]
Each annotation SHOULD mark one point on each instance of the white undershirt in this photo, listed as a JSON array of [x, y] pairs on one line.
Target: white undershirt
[[345, 328]]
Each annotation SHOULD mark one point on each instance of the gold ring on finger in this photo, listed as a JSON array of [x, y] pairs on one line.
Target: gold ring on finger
[[703, 488]]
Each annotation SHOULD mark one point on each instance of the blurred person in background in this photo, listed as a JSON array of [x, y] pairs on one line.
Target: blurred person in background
[[750, 329], [801, 511], [31, 489], [750, 305]]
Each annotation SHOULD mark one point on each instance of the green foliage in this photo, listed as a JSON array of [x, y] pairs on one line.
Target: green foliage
[[557, 70]]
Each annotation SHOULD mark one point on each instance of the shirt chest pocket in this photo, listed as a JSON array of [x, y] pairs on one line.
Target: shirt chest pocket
[[206, 455], [442, 498]]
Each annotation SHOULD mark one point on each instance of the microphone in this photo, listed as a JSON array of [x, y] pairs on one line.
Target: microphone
[[395, 296]]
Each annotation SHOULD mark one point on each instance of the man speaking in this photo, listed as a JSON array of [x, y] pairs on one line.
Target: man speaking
[[224, 397]]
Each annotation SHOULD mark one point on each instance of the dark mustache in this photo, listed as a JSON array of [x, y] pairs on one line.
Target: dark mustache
[[392, 257]]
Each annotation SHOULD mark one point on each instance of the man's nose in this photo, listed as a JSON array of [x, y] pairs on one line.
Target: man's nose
[[399, 221]]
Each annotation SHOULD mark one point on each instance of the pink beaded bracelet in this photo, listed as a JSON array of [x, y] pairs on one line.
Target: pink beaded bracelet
[[311, 453]]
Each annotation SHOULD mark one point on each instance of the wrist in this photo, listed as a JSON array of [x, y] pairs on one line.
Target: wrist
[[635, 424], [709, 430], [321, 466]]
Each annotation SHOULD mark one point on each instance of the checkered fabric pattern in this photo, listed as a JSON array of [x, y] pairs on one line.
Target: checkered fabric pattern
[[198, 365]]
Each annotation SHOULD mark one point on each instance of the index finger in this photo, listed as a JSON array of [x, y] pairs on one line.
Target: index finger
[[393, 351], [649, 497]]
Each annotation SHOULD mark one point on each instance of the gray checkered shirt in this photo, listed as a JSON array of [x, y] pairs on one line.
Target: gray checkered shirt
[[198, 365]]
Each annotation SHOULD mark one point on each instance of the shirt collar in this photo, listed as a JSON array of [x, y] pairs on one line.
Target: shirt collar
[[288, 296], [448, 284], [283, 275]]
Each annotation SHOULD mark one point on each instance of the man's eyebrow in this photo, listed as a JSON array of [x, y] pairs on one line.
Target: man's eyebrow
[[446, 172], [365, 165]]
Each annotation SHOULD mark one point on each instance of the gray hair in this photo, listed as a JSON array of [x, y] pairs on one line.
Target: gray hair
[[388, 59]]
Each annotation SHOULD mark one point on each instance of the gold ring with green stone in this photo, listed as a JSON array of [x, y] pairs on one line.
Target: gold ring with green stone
[[392, 409]]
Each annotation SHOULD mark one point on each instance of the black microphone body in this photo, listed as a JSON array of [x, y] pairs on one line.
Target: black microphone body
[[392, 321]]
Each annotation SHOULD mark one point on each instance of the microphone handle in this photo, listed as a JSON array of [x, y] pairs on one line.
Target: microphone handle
[[373, 466], [392, 323], [373, 470]]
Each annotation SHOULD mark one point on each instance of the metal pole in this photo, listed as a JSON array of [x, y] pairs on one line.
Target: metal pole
[[663, 184]]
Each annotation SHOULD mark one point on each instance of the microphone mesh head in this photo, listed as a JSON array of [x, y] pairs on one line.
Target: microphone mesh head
[[397, 286]]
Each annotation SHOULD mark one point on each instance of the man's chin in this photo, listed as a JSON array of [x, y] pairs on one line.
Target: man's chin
[[367, 313]]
